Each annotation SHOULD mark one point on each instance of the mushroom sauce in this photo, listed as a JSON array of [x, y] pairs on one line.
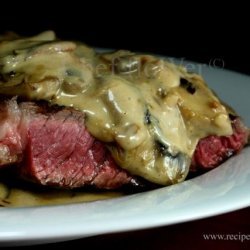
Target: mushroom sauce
[[150, 112]]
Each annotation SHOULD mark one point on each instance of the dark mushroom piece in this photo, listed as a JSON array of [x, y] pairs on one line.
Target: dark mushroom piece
[[126, 65], [188, 86], [176, 162]]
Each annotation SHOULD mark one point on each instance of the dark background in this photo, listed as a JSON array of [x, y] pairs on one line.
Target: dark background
[[201, 33]]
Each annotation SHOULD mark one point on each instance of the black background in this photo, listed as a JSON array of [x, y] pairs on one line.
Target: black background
[[201, 33]]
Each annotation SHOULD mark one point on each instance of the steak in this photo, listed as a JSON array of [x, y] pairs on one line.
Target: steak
[[52, 147], [213, 150]]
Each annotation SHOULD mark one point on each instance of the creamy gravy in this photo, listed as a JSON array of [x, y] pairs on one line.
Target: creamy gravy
[[150, 112], [20, 197]]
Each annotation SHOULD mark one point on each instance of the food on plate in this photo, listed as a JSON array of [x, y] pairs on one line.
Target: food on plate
[[74, 117], [31, 128]]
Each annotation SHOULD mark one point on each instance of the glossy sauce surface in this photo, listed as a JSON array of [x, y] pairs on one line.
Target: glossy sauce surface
[[151, 113]]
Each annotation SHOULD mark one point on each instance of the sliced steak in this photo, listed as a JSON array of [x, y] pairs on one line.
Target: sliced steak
[[50, 145], [53, 147], [11, 143], [213, 150]]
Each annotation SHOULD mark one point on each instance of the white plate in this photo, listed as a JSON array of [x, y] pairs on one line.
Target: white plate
[[221, 190]]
